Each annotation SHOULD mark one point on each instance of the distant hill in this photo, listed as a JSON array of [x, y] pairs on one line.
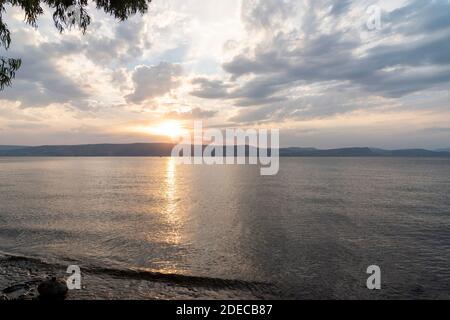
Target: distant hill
[[443, 150], [93, 150], [164, 149], [360, 152], [311, 152], [2, 148]]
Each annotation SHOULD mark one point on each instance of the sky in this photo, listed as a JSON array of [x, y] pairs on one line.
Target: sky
[[317, 70]]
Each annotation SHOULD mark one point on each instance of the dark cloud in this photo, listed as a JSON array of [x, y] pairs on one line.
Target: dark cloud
[[40, 81], [258, 114], [419, 17], [340, 7], [126, 44], [267, 14], [154, 81], [210, 89], [336, 101]]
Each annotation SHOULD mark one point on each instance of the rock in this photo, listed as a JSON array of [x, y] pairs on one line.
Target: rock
[[54, 289], [15, 292], [16, 287]]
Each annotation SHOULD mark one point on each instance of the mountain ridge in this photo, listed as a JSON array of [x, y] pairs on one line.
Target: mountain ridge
[[164, 149]]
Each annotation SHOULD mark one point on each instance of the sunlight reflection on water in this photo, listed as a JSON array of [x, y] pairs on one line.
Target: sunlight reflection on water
[[172, 211]]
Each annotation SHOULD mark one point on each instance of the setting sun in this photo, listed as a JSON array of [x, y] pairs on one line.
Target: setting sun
[[172, 129]]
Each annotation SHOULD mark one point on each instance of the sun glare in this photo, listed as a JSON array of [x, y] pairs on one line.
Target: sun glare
[[172, 129]]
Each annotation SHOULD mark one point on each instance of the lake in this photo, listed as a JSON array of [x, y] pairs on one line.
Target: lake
[[311, 231]]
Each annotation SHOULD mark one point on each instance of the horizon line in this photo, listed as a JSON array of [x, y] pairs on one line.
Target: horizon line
[[174, 143]]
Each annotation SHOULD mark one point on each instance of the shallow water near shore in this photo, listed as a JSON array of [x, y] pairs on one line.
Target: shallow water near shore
[[227, 232]]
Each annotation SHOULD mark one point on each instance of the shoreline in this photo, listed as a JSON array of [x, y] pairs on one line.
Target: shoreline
[[20, 277]]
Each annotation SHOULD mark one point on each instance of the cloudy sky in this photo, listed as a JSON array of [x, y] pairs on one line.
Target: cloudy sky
[[314, 69]]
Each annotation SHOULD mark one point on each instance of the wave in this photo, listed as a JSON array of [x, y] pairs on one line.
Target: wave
[[145, 275]]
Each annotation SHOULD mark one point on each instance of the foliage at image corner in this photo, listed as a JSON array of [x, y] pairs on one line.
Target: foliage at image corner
[[119, 9]]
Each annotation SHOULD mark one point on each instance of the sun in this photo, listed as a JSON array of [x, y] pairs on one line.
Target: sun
[[171, 129]]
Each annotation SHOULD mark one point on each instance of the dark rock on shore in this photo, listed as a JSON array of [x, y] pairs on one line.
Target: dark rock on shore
[[54, 289], [23, 291], [16, 287]]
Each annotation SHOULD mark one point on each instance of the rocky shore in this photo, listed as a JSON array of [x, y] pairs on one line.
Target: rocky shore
[[23, 278]]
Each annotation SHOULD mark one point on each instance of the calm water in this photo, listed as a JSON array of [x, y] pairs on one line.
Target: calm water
[[312, 230]]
